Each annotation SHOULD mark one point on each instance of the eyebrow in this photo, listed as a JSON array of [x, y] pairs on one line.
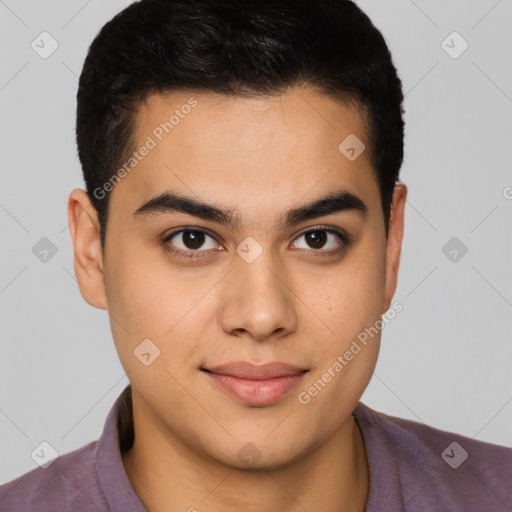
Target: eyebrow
[[328, 204]]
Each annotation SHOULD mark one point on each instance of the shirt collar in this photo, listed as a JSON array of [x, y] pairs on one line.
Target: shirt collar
[[117, 436]]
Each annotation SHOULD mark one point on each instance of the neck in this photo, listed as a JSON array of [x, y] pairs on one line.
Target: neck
[[167, 475]]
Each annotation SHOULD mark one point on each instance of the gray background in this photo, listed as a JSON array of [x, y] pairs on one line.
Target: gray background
[[445, 359]]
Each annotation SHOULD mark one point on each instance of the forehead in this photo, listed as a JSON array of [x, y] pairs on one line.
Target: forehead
[[238, 150]]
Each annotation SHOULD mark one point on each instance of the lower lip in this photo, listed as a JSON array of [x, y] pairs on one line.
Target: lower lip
[[256, 392]]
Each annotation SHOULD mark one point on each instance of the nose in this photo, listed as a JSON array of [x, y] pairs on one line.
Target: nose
[[257, 300]]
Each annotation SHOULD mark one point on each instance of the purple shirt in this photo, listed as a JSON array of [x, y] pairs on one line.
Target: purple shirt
[[413, 467]]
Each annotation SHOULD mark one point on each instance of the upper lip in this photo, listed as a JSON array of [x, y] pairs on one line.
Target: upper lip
[[246, 370]]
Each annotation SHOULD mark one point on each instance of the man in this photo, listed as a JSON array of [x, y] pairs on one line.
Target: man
[[242, 226]]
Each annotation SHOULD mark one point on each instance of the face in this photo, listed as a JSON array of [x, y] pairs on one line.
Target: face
[[273, 272]]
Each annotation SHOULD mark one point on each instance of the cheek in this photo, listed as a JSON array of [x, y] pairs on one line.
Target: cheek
[[147, 292], [349, 301], [133, 301], [345, 357], [151, 300], [351, 298]]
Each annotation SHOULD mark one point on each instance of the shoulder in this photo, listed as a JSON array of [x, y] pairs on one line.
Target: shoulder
[[437, 468], [417, 439], [68, 483]]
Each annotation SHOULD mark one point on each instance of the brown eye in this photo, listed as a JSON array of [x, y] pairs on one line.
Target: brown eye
[[321, 240], [316, 239], [191, 240]]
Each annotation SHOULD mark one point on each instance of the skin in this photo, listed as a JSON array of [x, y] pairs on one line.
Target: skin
[[259, 157]]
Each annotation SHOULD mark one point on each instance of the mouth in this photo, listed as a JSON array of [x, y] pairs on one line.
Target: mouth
[[256, 385]]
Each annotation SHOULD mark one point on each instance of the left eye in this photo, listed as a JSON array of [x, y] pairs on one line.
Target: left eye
[[325, 239]]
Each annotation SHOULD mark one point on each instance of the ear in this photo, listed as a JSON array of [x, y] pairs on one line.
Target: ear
[[394, 242], [88, 259]]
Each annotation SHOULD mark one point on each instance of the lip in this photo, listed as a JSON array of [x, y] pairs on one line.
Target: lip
[[256, 385]]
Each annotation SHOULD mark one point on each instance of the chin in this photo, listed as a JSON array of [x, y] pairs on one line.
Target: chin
[[261, 457]]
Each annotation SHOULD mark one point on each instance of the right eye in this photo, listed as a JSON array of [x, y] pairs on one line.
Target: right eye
[[189, 242]]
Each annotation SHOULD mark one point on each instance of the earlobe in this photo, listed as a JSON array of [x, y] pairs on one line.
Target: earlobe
[[88, 259], [394, 242]]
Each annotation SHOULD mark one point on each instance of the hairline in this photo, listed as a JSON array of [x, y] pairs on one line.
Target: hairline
[[131, 117]]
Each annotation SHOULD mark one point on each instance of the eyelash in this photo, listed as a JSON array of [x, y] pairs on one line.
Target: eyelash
[[197, 253]]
